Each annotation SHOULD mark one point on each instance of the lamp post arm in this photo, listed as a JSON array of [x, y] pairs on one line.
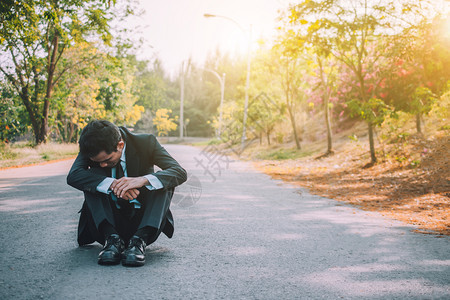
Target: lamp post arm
[[215, 74], [227, 18]]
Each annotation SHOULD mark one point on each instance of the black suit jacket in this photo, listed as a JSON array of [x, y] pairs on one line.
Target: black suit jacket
[[142, 153]]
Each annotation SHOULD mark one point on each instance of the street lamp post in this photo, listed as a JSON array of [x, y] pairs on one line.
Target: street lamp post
[[247, 84], [182, 101]]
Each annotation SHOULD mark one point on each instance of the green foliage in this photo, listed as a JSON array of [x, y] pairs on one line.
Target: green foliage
[[353, 138], [401, 159], [153, 88], [356, 33], [12, 115], [359, 62], [425, 50], [279, 137], [196, 122], [33, 37], [99, 86], [214, 142], [415, 163], [373, 111], [109, 94], [422, 100], [264, 113], [286, 70], [283, 154], [402, 137], [232, 123]]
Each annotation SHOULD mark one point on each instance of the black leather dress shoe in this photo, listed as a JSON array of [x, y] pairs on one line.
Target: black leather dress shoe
[[111, 253], [134, 255]]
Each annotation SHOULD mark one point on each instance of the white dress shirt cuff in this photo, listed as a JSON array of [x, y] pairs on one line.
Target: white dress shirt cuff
[[103, 187], [155, 183]]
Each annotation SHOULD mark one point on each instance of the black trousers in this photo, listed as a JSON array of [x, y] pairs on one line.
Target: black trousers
[[99, 207]]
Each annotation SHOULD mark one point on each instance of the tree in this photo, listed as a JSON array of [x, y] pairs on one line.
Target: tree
[[264, 113], [420, 68], [348, 30], [34, 34], [422, 103], [12, 115], [326, 91], [153, 89], [286, 62], [204, 91], [100, 86], [266, 109], [151, 86], [163, 122], [317, 56]]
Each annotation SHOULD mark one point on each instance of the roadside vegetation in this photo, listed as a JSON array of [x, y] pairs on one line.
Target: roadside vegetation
[[23, 154]]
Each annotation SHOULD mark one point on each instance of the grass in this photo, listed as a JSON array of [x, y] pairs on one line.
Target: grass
[[212, 141], [283, 154], [22, 153]]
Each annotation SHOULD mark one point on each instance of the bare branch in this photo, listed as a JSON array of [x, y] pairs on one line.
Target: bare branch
[[11, 79], [60, 53], [77, 63], [17, 68]]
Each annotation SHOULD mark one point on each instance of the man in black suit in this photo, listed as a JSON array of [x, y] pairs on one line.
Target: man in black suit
[[126, 203]]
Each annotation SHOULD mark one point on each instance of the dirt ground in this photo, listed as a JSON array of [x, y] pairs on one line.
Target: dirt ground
[[411, 184]]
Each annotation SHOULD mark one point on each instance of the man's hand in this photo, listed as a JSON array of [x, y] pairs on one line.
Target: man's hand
[[121, 186], [131, 194]]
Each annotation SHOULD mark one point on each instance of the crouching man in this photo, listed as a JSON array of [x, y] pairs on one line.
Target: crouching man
[[126, 204]]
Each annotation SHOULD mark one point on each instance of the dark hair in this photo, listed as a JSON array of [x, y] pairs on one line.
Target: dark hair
[[98, 136]]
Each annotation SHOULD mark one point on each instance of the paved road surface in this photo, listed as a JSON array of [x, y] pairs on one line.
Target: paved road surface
[[247, 237]]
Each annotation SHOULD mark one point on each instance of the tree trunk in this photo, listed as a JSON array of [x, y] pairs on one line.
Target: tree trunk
[[329, 133], [64, 129], [294, 128], [418, 123], [268, 137], [71, 132], [373, 158], [289, 104], [31, 113], [327, 113], [327, 109], [76, 131], [42, 136]]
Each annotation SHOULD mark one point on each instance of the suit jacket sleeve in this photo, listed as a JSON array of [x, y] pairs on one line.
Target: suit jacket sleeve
[[171, 173], [85, 175]]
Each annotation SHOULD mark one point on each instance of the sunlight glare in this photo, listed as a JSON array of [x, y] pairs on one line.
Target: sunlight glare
[[446, 29]]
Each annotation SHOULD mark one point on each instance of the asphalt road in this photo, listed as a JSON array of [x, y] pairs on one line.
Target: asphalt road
[[238, 235]]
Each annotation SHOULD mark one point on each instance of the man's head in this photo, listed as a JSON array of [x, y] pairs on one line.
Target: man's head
[[102, 142]]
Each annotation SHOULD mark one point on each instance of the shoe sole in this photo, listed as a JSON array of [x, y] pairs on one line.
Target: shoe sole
[[132, 263], [108, 262]]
